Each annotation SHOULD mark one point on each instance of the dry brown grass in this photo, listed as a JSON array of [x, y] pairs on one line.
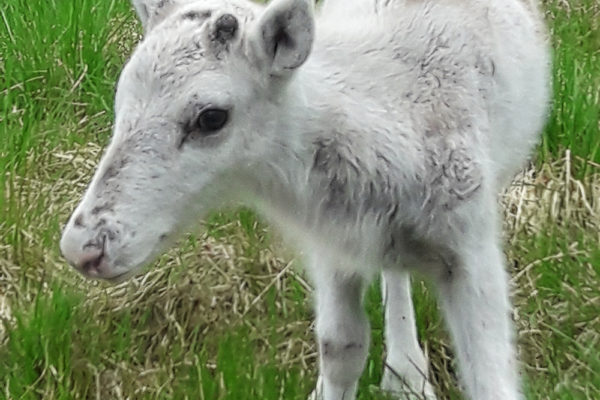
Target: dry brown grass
[[553, 195]]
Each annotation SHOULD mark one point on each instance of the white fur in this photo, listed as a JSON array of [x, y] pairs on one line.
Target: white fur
[[375, 135]]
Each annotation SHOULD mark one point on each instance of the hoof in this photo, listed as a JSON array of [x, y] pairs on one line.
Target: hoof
[[398, 389]]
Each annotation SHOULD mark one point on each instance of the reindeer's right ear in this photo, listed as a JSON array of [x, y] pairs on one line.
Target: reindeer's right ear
[[152, 12]]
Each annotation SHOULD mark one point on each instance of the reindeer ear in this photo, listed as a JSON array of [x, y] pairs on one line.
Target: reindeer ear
[[151, 12], [282, 38]]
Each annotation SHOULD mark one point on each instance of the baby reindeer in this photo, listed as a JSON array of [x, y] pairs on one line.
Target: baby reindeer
[[375, 134]]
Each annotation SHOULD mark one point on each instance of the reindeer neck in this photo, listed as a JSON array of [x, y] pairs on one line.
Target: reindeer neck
[[328, 126]]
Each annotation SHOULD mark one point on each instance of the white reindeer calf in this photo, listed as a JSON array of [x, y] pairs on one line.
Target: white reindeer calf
[[375, 135]]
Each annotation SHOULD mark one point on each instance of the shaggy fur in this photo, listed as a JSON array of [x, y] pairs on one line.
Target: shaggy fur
[[376, 135]]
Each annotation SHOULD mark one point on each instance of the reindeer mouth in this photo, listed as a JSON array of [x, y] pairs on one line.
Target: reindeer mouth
[[125, 270]]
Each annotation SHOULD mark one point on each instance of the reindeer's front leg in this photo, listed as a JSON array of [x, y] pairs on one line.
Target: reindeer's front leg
[[405, 371], [342, 330]]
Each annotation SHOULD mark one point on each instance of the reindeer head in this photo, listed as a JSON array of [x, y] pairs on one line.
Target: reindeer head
[[200, 99]]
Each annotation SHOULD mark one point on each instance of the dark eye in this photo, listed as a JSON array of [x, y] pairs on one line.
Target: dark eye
[[211, 120]]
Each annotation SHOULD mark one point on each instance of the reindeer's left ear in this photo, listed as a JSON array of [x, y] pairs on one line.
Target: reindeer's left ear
[[151, 12], [282, 38]]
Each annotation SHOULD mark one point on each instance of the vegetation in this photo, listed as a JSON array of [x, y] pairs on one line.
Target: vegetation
[[226, 314]]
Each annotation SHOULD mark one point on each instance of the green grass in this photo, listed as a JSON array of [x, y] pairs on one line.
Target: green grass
[[61, 361], [59, 62], [224, 315], [574, 122]]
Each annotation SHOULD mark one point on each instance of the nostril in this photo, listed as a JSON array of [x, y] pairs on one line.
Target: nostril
[[109, 234], [94, 254]]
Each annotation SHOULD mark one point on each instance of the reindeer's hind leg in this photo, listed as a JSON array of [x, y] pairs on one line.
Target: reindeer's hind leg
[[405, 370], [342, 330], [474, 297]]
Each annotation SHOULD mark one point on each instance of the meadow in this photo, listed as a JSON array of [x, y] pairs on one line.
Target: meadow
[[226, 314]]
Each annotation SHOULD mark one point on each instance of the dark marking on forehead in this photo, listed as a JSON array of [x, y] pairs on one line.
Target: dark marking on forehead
[[226, 27], [209, 41], [197, 15], [222, 34]]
